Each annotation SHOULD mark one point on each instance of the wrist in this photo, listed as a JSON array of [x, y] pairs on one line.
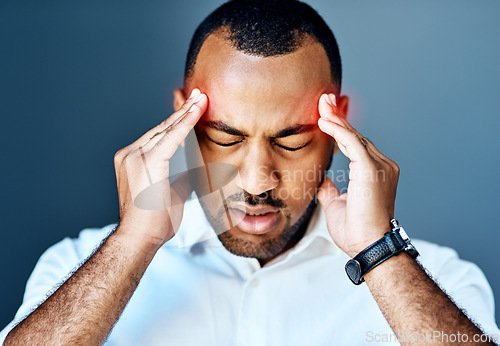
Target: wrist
[[391, 244], [354, 250], [135, 241]]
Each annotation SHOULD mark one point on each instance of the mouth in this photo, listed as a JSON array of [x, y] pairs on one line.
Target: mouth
[[255, 219]]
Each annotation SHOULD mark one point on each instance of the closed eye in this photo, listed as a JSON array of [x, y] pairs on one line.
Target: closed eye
[[281, 146], [225, 144], [290, 148]]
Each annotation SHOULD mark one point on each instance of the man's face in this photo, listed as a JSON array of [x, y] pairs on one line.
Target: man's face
[[262, 118]]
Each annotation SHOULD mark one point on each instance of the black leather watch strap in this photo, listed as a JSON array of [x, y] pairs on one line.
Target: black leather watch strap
[[378, 252], [391, 244]]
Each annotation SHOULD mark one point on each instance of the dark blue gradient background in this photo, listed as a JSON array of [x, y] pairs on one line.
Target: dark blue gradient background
[[81, 79]]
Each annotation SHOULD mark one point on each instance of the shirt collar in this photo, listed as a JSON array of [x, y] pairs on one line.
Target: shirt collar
[[194, 227], [316, 229]]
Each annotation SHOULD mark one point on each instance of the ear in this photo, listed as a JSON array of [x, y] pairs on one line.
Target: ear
[[343, 106], [342, 109], [179, 98]]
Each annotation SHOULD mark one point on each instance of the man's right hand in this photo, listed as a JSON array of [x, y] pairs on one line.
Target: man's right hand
[[146, 162], [87, 305]]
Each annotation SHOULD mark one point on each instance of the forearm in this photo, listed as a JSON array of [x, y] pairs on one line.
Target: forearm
[[85, 308], [413, 304]]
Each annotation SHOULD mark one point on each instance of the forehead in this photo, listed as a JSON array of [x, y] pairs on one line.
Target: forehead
[[243, 87]]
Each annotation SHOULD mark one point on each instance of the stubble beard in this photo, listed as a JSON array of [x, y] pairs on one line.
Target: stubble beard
[[267, 248]]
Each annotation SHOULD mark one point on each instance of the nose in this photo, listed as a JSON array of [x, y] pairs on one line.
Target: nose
[[257, 173]]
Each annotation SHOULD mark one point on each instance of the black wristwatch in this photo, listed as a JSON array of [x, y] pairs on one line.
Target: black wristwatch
[[392, 244]]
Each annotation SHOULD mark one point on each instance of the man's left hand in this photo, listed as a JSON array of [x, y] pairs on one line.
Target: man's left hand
[[362, 215]]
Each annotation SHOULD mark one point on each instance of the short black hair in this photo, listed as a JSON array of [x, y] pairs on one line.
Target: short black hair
[[267, 28]]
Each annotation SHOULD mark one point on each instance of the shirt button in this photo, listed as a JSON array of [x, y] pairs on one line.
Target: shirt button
[[254, 283]]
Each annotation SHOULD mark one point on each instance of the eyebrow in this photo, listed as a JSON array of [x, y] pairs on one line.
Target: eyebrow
[[289, 131]]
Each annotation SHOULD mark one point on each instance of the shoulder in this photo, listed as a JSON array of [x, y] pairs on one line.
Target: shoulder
[[442, 261], [81, 247], [61, 260], [433, 256], [55, 265]]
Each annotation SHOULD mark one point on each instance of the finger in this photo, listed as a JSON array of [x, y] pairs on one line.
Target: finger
[[195, 97], [349, 143], [156, 138], [159, 155], [327, 191], [380, 156], [327, 106], [156, 132], [328, 109], [171, 139]]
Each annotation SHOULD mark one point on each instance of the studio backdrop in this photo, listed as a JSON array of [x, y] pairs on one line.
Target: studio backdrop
[[79, 80]]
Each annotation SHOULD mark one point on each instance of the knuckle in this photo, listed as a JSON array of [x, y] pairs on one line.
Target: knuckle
[[119, 156], [165, 122], [126, 161], [397, 170], [393, 164]]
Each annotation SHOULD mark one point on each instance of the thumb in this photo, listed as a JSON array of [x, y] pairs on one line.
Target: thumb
[[327, 192]]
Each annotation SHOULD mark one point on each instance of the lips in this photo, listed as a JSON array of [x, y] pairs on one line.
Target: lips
[[255, 219]]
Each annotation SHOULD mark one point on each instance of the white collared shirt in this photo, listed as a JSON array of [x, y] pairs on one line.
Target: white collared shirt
[[198, 293]]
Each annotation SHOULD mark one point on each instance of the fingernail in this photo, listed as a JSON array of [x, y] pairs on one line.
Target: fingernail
[[333, 100], [326, 98], [194, 93], [198, 97]]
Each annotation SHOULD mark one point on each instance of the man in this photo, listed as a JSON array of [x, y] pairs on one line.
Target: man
[[264, 86]]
